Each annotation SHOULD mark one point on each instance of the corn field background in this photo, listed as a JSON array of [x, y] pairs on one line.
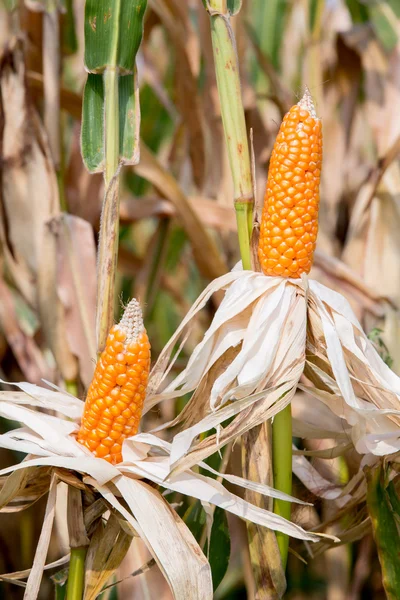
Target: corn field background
[[178, 227]]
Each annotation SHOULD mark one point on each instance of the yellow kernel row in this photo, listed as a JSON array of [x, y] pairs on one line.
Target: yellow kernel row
[[115, 398], [289, 224]]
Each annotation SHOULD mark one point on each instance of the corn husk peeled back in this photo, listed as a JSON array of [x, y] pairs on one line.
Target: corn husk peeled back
[[51, 443]]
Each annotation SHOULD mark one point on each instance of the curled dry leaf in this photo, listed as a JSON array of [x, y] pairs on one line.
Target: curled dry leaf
[[76, 288]]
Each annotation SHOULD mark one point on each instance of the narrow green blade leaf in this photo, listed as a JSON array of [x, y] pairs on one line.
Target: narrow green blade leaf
[[220, 547], [129, 120], [92, 136], [113, 32], [386, 532], [195, 519]]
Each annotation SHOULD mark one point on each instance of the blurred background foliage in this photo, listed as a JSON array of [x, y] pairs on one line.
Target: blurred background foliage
[[178, 228]]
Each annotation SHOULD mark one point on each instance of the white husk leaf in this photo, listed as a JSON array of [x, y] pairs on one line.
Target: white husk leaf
[[267, 320], [270, 327], [50, 440]]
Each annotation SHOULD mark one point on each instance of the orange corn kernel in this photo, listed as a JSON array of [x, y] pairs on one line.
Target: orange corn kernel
[[289, 223], [115, 398]]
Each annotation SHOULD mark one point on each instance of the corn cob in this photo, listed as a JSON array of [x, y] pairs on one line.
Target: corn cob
[[289, 223], [114, 401]]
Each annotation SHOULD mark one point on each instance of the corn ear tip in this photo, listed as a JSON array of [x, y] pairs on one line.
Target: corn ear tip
[[307, 103], [132, 320]]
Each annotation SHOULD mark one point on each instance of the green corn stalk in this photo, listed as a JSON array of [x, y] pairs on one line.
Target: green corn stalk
[[79, 543], [227, 73], [384, 509], [110, 125], [228, 81]]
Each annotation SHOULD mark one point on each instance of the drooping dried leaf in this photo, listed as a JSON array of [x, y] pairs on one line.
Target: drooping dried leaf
[[190, 578], [51, 310], [76, 526], [107, 549], [76, 287]]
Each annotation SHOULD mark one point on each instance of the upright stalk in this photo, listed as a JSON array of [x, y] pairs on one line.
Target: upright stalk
[[282, 470], [76, 578], [228, 81], [229, 88], [109, 231], [78, 542]]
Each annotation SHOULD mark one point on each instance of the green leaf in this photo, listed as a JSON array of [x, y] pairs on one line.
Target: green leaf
[[60, 592], [60, 583], [384, 526], [220, 543], [69, 39], [92, 135], [234, 6], [219, 7], [384, 22], [113, 32], [220, 547], [195, 519], [394, 501]]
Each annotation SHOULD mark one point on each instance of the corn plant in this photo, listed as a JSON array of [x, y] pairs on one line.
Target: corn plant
[[242, 359]]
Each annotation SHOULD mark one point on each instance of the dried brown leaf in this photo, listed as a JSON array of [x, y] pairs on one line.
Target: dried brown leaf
[[107, 261], [51, 310], [373, 244], [107, 549], [67, 292], [76, 526], [382, 89], [13, 486], [35, 576], [13, 577], [76, 255]]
